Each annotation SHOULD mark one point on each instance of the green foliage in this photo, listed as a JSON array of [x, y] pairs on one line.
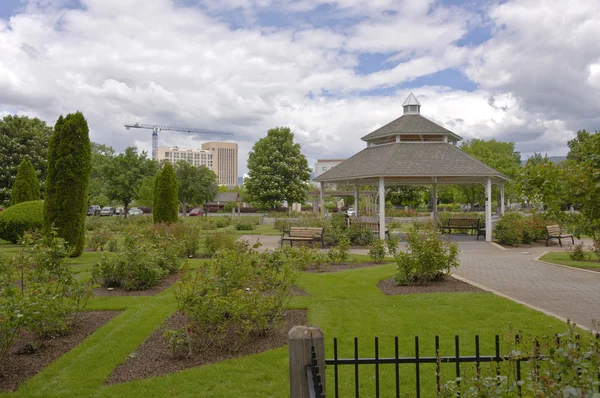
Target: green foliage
[[124, 175], [223, 222], [340, 253], [240, 292], [217, 241], [26, 187], [359, 235], [245, 225], [19, 219], [187, 237], [69, 168], [22, 137], [377, 250], [102, 155], [392, 245], [38, 293], [229, 206], [577, 252], [565, 365], [166, 204], [98, 239], [277, 170], [427, 258], [515, 228], [197, 185], [404, 195], [144, 261]]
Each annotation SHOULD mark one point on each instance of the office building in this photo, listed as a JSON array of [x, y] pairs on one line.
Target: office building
[[225, 161]]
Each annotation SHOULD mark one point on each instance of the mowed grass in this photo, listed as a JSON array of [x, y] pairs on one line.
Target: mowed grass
[[343, 304], [562, 258]]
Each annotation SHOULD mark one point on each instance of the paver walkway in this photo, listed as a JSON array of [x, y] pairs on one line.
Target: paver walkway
[[566, 292]]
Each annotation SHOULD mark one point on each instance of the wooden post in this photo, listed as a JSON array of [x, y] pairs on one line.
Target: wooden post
[[300, 339]]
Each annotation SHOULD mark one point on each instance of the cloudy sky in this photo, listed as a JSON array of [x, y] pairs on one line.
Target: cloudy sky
[[519, 70]]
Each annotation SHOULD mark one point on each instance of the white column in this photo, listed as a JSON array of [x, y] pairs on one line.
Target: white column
[[488, 210], [502, 199], [356, 201], [381, 209], [434, 205], [322, 199]]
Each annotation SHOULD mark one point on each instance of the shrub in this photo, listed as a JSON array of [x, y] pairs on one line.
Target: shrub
[[339, 254], [217, 241], [18, 219], [26, 186], [69, 169], [182, 239], [93, 223], [229, 206], [282, 224], [141, 264], [509, 229], [113, 245], [99, 239], [166, 203], [245, 225], [359, 235], [427, 258], [377, 251], [223, 222], [240, 292], [392, 245], [577, 252]]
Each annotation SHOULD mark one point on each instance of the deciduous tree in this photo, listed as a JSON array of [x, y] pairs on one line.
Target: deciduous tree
[[277, 170], [197, 185], [21, 136], [26, 186], [69, 168], [125, 174]]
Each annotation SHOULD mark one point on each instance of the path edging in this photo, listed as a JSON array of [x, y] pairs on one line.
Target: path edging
[[560, 265]]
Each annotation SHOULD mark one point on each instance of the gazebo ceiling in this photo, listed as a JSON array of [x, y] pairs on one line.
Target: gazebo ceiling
[[412, 163]]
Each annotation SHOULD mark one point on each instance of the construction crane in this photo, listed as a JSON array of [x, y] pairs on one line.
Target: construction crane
[[156, 128]]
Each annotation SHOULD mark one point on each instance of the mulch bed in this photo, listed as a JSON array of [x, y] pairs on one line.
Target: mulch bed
[[18, 366], [341, 267], [154, 357], [117, 291], [448, 285]]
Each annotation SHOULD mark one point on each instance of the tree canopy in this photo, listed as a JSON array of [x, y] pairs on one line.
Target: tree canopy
[[277, 170], [196, 185], [69, 168], [101, 157], [125, 173], [21, 136], [27, 185]]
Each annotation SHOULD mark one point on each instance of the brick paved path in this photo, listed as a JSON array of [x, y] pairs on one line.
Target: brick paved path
[[566, 292]]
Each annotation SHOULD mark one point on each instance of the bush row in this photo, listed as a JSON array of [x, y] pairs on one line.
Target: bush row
[[515, 228]]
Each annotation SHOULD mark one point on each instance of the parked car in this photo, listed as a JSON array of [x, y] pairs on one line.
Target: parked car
[[351, 212], [119, 211], [107, 211], [134, 211], [93, 210], [196, 212]]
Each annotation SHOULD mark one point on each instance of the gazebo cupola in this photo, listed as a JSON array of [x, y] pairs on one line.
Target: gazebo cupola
[[411, 127]]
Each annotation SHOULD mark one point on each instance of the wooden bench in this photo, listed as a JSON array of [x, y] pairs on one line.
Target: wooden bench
[[470, 224], [554, 232], [303, 234], [371, 226]]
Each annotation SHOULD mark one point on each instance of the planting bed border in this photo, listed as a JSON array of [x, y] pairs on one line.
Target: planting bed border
[[448, 285]]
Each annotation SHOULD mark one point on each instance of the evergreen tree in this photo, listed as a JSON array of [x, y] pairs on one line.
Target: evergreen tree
[[26, 186], [166, 204], [69, 169]]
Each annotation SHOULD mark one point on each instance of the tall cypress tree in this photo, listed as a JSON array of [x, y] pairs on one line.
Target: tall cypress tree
[[26, 186], [69, 168], [166, 203]]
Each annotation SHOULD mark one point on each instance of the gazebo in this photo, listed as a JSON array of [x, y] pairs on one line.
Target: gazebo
[[413, 150]]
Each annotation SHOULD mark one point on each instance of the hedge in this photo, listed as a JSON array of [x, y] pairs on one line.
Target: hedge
[[20, 218]]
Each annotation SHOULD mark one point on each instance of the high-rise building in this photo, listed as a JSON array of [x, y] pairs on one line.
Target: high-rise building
[[225, 161], [195, 157]]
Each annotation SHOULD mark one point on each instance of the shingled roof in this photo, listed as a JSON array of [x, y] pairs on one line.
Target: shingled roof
[[410, 160], [409, 124]]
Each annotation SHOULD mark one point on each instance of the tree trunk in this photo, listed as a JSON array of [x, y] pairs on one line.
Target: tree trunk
[[125, 210]]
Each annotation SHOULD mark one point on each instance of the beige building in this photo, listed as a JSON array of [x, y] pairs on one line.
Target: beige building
[[323, 165], [220, 157], [225, 161]]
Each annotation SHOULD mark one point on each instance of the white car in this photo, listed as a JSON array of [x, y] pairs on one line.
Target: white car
[[135, 212], [351, 212]]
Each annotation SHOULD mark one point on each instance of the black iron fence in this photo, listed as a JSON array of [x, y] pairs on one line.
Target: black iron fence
[[457, 359], [313, 376]]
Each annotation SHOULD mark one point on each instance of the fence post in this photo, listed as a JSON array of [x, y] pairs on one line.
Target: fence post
[[300, 339]]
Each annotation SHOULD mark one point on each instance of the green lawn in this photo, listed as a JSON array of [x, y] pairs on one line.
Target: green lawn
[[562, 258], [344, 304]]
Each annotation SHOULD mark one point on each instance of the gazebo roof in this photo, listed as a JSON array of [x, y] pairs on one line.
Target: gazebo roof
[[412, 163], [410, 124]]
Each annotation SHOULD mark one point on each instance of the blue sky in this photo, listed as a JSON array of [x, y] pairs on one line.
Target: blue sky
[[332, 70]]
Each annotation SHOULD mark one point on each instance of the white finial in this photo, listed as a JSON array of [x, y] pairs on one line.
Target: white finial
[[411, 106]]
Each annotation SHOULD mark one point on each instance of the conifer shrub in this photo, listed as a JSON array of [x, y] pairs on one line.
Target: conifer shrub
[[166, 203], [69, 169], [18, 219], [26, 186]]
